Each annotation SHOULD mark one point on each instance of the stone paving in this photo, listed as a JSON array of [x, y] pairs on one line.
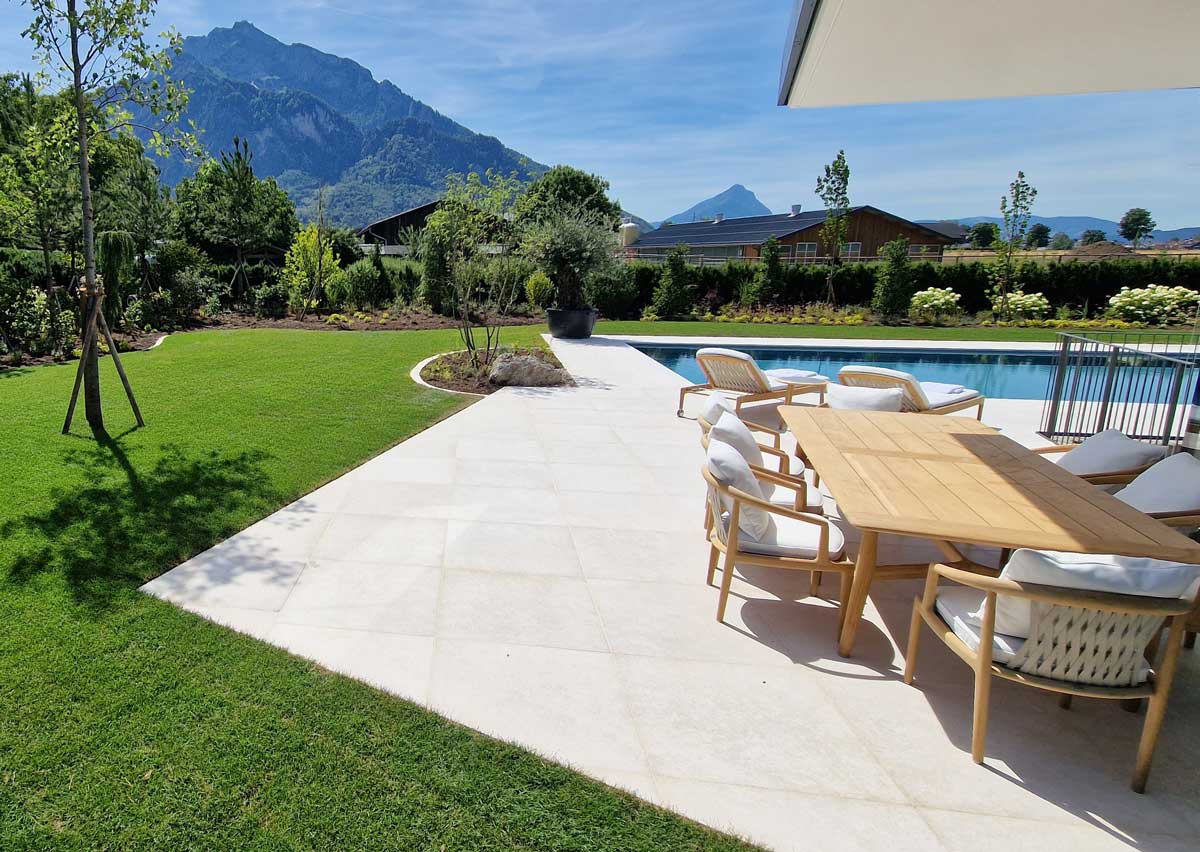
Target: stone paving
[[534, 567]]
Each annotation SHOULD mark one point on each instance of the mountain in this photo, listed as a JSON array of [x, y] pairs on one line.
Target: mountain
[[1074, 226], [314, 119], [735, 202]]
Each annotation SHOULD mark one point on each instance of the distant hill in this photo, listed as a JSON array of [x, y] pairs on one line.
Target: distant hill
[[316, 119], [735, 202], [1074, 226]]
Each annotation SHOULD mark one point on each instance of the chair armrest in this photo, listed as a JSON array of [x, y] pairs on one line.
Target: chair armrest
[[1054, 448], [1132, 604], [1189, 518], [784, 480], [785, 462]]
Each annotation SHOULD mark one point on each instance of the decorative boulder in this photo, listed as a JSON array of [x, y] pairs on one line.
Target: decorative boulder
[[526, 371]]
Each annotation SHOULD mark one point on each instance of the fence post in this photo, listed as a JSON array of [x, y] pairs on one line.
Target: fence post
[[1060, 379], [1176, 388], [1110, 375]]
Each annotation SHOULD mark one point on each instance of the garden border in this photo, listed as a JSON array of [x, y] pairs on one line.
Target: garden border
[[415, 375]]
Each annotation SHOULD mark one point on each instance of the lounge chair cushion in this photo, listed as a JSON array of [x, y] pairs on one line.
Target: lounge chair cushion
[[730, 430], [939, 394], [908, 380], [785, 376], [717, 404], [1110, 451], [961, 607], [851, 398], [728, 353], [731, 470], [1171, 485], [790, 537], [1123, 575]]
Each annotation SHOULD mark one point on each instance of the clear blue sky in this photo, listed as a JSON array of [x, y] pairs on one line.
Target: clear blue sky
[[673, 101]]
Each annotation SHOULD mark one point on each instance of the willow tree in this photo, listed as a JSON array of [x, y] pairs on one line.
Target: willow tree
[[118, 79]]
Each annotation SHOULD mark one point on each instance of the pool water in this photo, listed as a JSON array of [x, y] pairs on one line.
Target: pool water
[[994, 373]]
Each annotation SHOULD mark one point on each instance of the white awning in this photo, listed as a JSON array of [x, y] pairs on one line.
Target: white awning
[[845, 52]]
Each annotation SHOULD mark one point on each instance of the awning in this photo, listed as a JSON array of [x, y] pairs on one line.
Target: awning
[[846, 52]]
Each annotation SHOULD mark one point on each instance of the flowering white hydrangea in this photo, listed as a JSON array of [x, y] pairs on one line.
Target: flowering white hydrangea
[[934, 302], [1156, 304], [1024, 305]]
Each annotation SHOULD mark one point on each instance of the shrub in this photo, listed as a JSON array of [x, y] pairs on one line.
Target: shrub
[[570, 247], [404, 277], [933, 303], [153, 311], [1156, 304], [270, 300], [29, 320], [767, 284], [365, 285], [893, 281], [614, 293], [539, 290], [673, 296], [1025, 305]]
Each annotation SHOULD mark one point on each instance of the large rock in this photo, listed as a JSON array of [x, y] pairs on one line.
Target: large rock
[[526, 371]]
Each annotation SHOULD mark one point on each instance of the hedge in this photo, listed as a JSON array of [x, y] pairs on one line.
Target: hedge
[[1076, 285]]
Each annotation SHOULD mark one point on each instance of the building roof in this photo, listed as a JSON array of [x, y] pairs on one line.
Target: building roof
[[752, 230], [939, 50], [953, 230], [422, 210]]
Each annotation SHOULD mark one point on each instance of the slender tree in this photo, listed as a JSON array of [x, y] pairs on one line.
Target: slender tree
[[101, 49], [834, 189], [1015, 210], [1136, 225]]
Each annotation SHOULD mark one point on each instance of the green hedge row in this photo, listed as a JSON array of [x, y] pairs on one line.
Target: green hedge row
[[1077, 285]]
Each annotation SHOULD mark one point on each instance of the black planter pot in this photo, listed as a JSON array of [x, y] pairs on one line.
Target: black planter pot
[[575, 323]]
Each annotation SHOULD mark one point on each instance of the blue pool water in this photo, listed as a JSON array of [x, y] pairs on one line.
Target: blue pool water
[[1002, 374]]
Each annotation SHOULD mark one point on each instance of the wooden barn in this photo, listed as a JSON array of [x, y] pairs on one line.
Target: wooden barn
[[798, 233], [385, 232]]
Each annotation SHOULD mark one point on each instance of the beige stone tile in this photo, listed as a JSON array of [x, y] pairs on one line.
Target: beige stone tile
[[381, 597], [524, 609], [631, 511], [499, 448], [536, 697], [236, 576], [643, 555], [502, 474], [505, 505], [971, 832], [748, 725], [510, 548], [614, 453], [391, 467], [377, 538]]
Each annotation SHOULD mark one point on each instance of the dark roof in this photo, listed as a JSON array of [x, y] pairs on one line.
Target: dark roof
[[753, 230], [745, 231], [953, 230], [422, 210]]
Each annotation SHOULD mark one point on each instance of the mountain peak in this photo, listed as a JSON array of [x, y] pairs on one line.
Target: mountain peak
[[735, 202]]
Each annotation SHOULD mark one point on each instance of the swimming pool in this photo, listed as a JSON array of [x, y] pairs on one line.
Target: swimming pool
[[1005, 374]]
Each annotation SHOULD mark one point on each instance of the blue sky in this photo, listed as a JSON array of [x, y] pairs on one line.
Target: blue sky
[[674, 101]]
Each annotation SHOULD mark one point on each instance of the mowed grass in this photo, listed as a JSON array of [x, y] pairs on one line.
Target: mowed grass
[[852, 332], [128, 724]]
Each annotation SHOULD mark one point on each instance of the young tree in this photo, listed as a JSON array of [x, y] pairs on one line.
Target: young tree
[[893, 283], [1136, 225], [1038, 236], [567, 188], [1092, 236], [1061, 242], [834, 189], [1015, 210], [983, 235], [308, 267], [101, 49]]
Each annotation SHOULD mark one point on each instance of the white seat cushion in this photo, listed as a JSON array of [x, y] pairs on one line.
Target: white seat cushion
[[727, 353], [1110, 451], [938, 398], [850, 398], [716, 405], [1171, 485], [732, 431], [790, 537], [910, 381], [785, 376], [729, 468], [959, 606], [1122, 575], [783, 496]]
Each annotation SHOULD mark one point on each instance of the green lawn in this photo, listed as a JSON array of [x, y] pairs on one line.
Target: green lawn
[[126, 723], [859, 332]]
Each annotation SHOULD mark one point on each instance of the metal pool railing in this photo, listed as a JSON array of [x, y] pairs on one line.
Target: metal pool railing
[[1139, 382]]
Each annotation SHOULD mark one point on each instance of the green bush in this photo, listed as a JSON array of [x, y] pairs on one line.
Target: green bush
[[1025, 305], [614, 293], [404, 276], [674, 295], [893, 281], [933, 303], [153, 311], [270, 300], [1157, 304], [539, 290], [363, 284]]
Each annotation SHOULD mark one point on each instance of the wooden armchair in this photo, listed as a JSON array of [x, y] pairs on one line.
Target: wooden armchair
[[1081, 643], [1109, 477], [738, 374]]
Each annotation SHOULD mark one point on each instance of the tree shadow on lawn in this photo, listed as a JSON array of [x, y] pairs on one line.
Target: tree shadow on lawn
[[123, 525]]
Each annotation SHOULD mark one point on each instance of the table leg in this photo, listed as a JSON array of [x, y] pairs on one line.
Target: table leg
[[864, 572]]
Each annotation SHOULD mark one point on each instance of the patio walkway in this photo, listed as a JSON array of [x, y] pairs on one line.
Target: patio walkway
[[534, 567]]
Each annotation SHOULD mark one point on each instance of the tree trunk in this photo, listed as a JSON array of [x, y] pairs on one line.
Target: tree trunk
[[91, 373]]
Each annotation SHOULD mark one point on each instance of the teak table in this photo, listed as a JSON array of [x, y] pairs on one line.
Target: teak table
[[953, 479]]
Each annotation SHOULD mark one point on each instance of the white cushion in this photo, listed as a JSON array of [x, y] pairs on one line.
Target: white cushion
[[728, 353], [732, 431], [1123, 575], [1108, 451], [899, 375], [782, 496], [961, 607], [790, 537], [729, 468], [717, 404], [938, 398], [850, 398], [792, 376], [1171, 485]]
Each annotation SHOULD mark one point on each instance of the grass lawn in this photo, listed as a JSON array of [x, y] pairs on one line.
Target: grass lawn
[[129, 724], [854, 332]]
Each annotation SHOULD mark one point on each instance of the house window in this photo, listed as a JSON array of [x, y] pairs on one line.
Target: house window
[[806, 250], [852, 250]]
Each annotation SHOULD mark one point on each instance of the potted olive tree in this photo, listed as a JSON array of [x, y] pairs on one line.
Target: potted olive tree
[[570, 246]]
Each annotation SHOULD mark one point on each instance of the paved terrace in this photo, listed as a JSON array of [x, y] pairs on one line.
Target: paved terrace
[[533, 567]]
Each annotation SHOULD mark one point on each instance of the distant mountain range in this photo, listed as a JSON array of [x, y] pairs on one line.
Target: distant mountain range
[[314, 119], [735, 202], [1074, 226]]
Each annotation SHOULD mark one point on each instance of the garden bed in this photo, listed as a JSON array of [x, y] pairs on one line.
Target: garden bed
[[355, 321], [454, 372]]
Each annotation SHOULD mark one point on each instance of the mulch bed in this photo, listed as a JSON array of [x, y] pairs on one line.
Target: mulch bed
[[454, 372]]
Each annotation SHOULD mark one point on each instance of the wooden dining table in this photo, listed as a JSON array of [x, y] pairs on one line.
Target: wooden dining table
[[953, 480]]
